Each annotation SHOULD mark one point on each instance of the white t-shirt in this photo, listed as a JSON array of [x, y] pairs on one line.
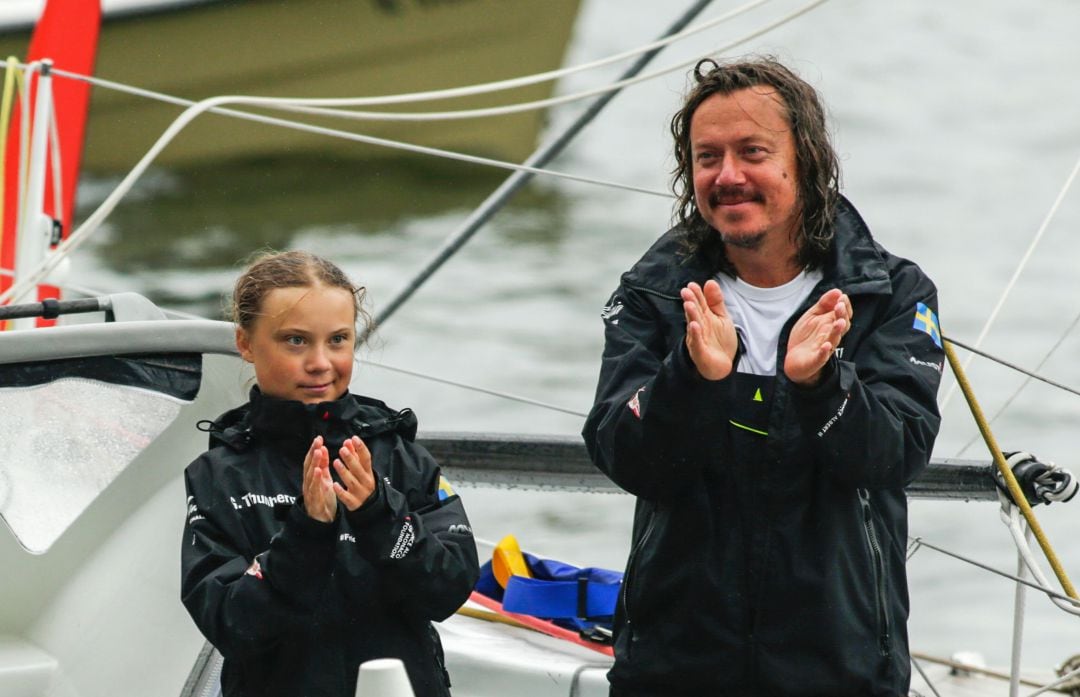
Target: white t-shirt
[[759, 315]]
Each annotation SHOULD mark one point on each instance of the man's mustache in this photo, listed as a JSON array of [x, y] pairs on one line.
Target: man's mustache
[[727, 195]]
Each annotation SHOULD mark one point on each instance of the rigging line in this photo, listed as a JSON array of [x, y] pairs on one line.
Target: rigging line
[[357, 137], [1057, 684], [514, 83], [516, 181], [1019, 269], [360, 138], [297, 104], [1051, 593], [78, 236], [1027, 380], [611, 88], [961, 666], [57, 171], [925, 677], [474, 388], [1006, 472], [1031, 374], [90, 292]]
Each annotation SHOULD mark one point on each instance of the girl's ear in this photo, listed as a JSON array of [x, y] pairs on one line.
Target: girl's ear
[[243, 345]]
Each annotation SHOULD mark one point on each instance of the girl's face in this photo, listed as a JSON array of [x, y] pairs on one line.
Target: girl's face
[[302, 342]]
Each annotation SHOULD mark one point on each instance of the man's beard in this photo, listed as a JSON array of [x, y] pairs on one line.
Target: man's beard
[[751, 241], [732, 194]]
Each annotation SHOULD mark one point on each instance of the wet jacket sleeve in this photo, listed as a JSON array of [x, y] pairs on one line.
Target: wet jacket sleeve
[[873, 419], [244, 600], [655, 421], [420, 544]]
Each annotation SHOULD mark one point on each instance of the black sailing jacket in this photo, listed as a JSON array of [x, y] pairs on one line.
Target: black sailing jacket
[[767, 564], [295, 605]]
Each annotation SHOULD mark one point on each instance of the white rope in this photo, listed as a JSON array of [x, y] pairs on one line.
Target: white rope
[[360, 138], [542, 103], [1010, 516], [57, 171], [484, 88], [1060, 681], [321, 106], [1019, 597], [1016, 274], [77, 237], [24, 142]]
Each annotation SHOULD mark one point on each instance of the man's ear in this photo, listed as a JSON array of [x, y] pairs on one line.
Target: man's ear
[[243, 344]]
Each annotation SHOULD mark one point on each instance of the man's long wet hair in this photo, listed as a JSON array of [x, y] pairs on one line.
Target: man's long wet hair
[[818, 169]]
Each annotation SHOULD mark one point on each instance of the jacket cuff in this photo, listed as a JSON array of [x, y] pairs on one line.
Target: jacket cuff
[[375, 506], [687, 372], [827, 385], [306, 526], [679, 391]]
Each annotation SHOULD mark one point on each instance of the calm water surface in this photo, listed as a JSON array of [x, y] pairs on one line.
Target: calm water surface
[[957, 124]]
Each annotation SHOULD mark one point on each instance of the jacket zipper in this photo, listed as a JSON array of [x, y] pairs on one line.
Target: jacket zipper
[[878, 562], [629, 573], [656, 293]]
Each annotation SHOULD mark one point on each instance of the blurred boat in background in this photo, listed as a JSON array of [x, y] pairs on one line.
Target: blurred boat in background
[[307, 48]]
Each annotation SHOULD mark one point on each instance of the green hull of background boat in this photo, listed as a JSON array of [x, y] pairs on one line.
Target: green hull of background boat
[[317, 48]]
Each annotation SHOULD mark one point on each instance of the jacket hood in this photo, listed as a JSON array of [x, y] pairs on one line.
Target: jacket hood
[[856, 263]]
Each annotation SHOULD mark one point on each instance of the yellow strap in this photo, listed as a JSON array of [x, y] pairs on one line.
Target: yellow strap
[[12, 79], [1010, 481], [489, 616], [507, 560]]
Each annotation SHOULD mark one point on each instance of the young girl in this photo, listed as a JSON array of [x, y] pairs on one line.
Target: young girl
[[319, 535]]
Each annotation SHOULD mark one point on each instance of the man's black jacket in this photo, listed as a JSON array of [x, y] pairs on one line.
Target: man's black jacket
[[768, 564]]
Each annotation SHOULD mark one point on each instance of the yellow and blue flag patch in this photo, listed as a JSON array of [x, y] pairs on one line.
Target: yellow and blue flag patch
[[445, 491], [926, 321]]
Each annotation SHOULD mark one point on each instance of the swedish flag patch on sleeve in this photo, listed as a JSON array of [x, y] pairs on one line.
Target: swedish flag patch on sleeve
[[926, 321], [445, 490]]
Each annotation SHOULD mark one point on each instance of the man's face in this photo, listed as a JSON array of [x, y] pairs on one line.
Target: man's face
[[743, 157]]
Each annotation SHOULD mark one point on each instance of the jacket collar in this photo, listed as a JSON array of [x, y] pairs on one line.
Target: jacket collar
[[856, 264], [273, 416], [273, 419]]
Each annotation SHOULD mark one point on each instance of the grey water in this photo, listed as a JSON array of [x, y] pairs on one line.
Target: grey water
[[958, 127]]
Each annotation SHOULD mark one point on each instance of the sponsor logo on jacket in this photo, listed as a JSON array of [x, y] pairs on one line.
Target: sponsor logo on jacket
[[939, 367], [405, 540], [249, 499], [193, 511], [610, 311], [834, 418]]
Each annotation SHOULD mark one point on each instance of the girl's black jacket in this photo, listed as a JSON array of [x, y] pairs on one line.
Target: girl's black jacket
[[771, 524], [295, 605]]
